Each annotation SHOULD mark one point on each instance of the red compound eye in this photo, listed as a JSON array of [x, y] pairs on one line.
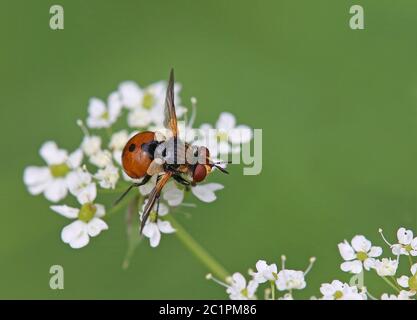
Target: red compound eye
[[199, 173]]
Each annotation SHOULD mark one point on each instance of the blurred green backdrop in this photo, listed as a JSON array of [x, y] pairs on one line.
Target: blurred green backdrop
[[337, 109]]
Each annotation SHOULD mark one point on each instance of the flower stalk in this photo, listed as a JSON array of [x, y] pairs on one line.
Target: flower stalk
[[197, 250]]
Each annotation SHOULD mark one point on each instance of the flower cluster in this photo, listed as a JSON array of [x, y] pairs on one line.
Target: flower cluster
[[285, 281], [359, 256], [94, 168]]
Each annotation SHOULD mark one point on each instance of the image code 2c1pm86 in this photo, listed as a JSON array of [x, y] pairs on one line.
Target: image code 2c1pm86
[[229, 309]]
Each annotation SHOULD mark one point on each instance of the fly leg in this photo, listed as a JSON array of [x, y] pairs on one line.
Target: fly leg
[[137, 184], [181, 180]]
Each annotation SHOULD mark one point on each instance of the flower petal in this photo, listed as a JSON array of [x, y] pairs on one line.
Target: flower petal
[[75, 234], [56, 190], [37, 179], [361, 244], [261, 265], [95, 226], [403, 281], [239, 280], [130, 93], [91, 145], [375, 252], [346, 251], [226, 121], [51, 154], [87, 194], [352, 266], [66, 211], [165, 226], [75, 159], [327, 289], [414, 269], [114, 105], [163, 209], [240, 134], [155, 239], [404, 236], [96, 107], [147, 188], [205, 192], [369, 263], [173, 195], [100, 210]]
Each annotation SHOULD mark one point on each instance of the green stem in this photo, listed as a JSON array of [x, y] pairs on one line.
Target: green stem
[[410, 259], [273, 290], [199, 252], [133, 225], [391, 284]]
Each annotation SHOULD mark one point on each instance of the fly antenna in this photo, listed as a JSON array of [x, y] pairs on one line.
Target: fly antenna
[[220, 168], [223, 162]]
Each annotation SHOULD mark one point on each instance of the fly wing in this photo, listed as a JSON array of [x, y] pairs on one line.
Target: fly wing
[[170, 121], [153, 197]]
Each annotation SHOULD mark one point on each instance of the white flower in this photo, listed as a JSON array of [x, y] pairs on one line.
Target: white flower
[[117, 143], [88, 222], [226, 137], [238, 290], [206, 192], [403, 295], [147, 105], [108, 177], [341, 291], [407, 245], [409, 282], [139, 118], [155, 226], [80, 185], [51, 180], [101, 158], [174, 195], [265, 272], [287, 296], [91, 145], [236, 134], [100, 116], [386, 267], [358, 255], [290, 279]]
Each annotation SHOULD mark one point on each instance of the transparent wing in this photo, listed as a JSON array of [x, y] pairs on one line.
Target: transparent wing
[[153, 196], [170, 121]]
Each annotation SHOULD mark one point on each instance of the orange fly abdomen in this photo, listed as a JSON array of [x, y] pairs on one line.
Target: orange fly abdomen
[[135, 160]]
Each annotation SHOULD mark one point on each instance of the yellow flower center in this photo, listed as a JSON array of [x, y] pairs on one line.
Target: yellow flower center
[[362, 256], [148, 101], [87, 212], [244, 292], [338, 294], [153, 216], [412, 282], [222, 136], [59, 170], [408, 247], [105, 115]]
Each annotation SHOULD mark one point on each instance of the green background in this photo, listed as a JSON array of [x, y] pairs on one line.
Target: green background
[[337, 108]]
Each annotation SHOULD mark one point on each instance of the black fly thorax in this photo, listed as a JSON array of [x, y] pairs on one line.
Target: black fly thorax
[[150, 148]]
